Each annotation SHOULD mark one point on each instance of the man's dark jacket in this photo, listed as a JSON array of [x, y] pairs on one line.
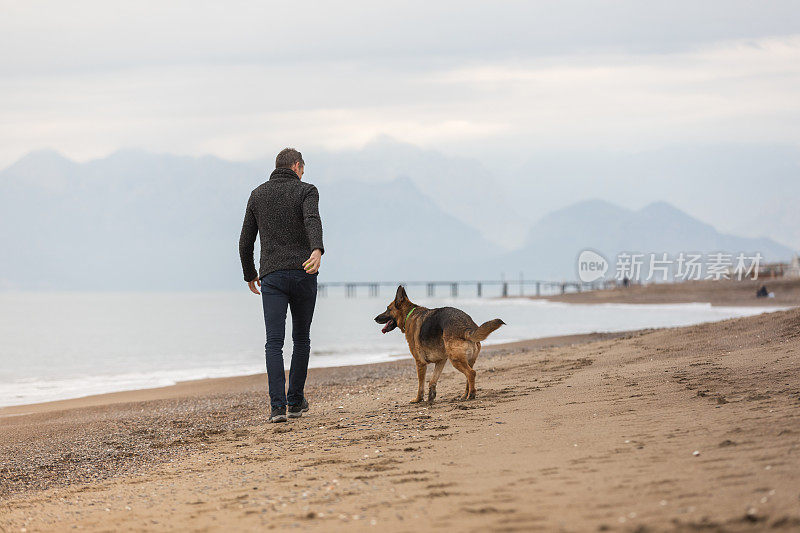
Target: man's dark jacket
[[285, 212]]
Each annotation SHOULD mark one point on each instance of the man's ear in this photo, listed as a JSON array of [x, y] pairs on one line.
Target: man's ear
[[401, 295]]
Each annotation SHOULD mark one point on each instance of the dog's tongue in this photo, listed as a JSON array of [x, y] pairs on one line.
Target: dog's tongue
[[386, 327]]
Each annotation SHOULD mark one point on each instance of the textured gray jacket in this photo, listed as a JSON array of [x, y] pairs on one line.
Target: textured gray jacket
[[285, 212]]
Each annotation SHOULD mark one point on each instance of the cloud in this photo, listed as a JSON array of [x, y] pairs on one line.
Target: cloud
[[742, 91], [467, 78], [96, 35]]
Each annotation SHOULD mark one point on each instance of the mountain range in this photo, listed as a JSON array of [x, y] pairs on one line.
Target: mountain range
[[554, 242], [141, 221]]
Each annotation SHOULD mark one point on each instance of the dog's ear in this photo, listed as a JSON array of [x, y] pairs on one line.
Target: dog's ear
[[401, 295]]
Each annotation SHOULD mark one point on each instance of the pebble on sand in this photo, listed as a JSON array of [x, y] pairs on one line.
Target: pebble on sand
[[752, 514]]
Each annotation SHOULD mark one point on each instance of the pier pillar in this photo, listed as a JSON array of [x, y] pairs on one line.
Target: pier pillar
[[480, 289], [431, 289], [454, 289], [350, 290], [373, 289], [505, 289], [322, 290], [538, 288]]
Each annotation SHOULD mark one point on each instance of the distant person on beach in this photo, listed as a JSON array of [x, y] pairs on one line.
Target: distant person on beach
[[284, 211]]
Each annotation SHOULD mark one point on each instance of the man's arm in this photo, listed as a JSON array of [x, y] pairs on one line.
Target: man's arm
[[311, 219], [313, 225], [247, 240]]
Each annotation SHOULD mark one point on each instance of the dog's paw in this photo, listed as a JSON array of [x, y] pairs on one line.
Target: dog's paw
[[416, 400], [431, 395]]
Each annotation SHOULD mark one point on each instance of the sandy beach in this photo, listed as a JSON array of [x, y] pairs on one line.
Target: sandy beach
[[725, 292], [682, 428]]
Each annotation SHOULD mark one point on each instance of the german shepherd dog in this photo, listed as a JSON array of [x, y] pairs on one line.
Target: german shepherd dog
[[436, 335]]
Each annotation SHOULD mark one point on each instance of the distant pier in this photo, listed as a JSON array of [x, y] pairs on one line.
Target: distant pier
[[479, 288]]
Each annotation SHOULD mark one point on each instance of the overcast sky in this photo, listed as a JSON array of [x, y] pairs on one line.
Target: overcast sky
[[238, 79]]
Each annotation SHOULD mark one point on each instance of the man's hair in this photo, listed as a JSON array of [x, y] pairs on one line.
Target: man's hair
[[288, 157]]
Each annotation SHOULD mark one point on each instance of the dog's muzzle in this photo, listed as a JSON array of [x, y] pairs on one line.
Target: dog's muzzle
[[389, 322]]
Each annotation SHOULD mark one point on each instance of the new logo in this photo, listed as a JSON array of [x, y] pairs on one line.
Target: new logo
[[591, 266]]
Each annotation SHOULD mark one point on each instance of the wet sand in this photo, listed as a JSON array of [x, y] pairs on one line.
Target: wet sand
[[681, 428]]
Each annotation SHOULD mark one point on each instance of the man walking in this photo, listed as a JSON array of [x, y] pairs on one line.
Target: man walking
[[285, 212]]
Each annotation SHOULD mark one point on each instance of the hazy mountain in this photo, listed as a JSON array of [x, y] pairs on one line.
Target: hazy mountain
[[554, 242], [729, 185], [136, 220], [391, 231], [458, 186], [130, 221], [779, 218]]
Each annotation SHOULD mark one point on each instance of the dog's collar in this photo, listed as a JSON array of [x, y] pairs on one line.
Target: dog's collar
[[409, 313]]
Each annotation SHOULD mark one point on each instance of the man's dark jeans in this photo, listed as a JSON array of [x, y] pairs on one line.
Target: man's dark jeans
[[297, 290]]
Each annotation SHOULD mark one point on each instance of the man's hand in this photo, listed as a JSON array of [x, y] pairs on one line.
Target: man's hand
[[311, 266], [252, 285]]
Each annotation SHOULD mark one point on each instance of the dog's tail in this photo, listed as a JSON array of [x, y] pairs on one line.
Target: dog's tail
[[483, 331]]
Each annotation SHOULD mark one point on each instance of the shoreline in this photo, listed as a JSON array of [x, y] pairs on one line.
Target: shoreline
[[723, 293], [715, 294], [213, 385]]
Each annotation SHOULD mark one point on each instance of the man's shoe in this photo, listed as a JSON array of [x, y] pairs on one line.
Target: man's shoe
[[296, 411], [278, 414]]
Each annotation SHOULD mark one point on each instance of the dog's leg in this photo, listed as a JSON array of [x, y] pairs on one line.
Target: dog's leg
[[437, 371], [475, 351], [421, 369], [463, 366], [471, 360]]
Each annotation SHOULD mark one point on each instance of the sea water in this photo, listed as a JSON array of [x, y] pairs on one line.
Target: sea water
[[67, 345]]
